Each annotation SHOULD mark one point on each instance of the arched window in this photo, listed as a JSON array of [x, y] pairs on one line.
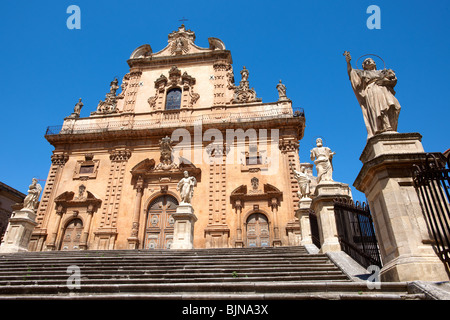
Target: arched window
[[173, 99]]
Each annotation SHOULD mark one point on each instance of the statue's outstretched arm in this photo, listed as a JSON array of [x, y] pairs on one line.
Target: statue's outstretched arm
[[348, 58]]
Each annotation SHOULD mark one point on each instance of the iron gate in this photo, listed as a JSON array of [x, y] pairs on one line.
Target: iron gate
[[356, 232], [432, 182]]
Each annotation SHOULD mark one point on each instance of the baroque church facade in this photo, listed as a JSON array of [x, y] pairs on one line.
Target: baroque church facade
[[113, 178]]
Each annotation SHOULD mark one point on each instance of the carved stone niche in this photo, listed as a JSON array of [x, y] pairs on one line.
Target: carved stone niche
[[176, 80], [87, 168]]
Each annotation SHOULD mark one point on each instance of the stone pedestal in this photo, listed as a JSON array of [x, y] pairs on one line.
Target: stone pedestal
[[323, 206], [302, 214], [18, 233], [386, 179], [183, 233]]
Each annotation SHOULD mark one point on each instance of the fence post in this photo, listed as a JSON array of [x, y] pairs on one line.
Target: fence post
[[323, 206]]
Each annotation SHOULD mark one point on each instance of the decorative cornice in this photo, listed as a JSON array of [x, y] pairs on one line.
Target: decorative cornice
[[120, 155], [59, 159]]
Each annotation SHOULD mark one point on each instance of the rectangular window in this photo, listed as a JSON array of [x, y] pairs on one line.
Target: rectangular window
[[86, 169]]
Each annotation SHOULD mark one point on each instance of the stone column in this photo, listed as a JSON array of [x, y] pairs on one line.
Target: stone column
[[323, 206], [18, 233], [183, 233], [302, 214], [52, 243], [239, 243], [87, 227], [386, 178], [133, 240], [276, 231]]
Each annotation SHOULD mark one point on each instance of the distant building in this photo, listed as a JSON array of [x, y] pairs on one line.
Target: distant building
[[8, 197]]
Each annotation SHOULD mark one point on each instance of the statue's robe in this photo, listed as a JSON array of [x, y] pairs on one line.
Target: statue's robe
[[376, 96]]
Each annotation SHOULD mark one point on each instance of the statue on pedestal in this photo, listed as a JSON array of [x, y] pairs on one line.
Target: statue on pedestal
[[322, 157], [374, 90], [186, 187], [32, 199], [303, 182]]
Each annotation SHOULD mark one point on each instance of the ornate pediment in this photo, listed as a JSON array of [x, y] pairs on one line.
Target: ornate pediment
[[147, 170], [181, 44], [242, 194], [82, 198]]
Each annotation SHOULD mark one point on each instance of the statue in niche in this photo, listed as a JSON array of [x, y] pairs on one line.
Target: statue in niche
[[32, 199], [186, 188], [322, 157], [303, 181], [165, 145], [374, 90]]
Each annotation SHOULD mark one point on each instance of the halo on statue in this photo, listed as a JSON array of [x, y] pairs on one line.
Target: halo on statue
[[373, 55]]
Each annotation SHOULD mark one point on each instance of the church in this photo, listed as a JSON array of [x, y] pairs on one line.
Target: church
[[114, 174]]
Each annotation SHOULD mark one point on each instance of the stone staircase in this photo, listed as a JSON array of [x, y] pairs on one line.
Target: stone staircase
[[209, 274]]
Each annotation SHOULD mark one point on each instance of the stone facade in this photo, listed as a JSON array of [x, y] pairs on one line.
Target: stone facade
[[113, 179]]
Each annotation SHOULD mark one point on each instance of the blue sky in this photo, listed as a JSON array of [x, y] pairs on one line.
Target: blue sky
[[46, 67]]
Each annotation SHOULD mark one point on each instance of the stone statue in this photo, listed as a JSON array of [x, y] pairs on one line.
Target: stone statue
[[244, 74], [186, 187], [281, 91], [113, 87], [77, 109], [322, 157], [303, 182], [32, 199], [165, 146], [374, 90]]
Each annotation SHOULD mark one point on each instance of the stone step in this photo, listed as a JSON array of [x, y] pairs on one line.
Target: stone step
[[246, 273], [174, 289], [176, 279]]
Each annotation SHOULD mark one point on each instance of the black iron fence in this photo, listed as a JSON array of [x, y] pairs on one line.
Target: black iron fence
[[356, 232], [432, 182]]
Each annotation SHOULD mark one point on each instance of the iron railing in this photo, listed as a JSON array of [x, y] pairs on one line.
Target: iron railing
[[356, 232], [432, 183]]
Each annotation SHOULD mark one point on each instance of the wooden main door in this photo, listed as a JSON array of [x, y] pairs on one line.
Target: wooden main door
[[257, 230], [72, 235], [160, 223]]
